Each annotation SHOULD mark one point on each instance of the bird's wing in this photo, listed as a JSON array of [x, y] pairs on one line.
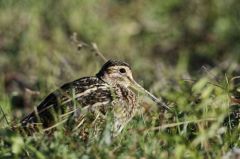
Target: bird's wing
[[87, 91]]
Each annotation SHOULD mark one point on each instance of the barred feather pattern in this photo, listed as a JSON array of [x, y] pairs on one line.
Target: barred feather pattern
[[88, 94], [124, 109]]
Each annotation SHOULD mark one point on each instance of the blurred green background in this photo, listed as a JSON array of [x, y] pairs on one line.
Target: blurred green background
[[35, 35], [165, 42]]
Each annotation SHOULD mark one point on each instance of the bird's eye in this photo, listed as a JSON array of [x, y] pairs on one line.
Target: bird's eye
[[122, 70]]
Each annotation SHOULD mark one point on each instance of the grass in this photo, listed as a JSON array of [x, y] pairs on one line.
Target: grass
[[184, 51]]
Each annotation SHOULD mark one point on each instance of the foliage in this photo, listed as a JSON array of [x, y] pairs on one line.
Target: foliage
[[167, 44]]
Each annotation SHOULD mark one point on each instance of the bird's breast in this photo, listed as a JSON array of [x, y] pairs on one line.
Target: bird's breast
[[126, 102]]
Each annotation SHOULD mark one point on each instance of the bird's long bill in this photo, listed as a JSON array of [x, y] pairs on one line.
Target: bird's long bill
[[138, 87]]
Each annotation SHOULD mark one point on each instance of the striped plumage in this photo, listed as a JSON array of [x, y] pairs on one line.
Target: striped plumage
[[91, 93], [232, 120], [110, 90], [87, 91]]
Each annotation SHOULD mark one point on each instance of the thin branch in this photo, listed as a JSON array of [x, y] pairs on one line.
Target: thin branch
[[236, 77], [55, 125], [211, 75], [96, 50], [181, 123], [214, 84], [4, 115], [93, 46]]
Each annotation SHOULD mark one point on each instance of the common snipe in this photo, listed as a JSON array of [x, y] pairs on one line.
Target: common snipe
[[111, 89]]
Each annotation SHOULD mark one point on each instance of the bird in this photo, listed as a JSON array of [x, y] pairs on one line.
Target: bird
[[232, 118], [113, 89]]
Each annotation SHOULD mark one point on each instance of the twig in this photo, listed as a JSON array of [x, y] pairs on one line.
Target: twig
[[96, 50], [236, 77], [55, 125], [181, 123], [211, 75], [93, 46], [4, 115], [214, 84]]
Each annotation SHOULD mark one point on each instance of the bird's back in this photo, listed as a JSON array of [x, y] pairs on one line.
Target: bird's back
[[86, 92]]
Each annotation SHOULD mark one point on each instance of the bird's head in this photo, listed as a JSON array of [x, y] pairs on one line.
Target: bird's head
[[116, 72]]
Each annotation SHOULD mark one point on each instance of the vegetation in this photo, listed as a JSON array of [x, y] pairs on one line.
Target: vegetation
[[186, 52]]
